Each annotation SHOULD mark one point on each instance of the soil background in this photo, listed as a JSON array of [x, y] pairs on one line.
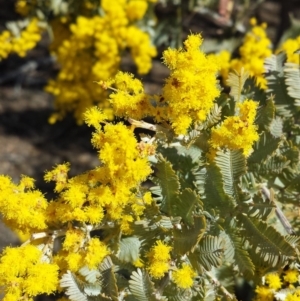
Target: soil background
[[29, 145]]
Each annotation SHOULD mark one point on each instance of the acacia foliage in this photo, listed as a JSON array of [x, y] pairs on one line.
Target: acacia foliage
[[210, 216]]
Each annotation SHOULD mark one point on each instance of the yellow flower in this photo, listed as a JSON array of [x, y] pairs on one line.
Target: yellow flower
[[94, 117], [136, 9], [73, 240], [157, 269], [159, 257], [293, 297], [160, 251], [273, 280], [263, 294], [22, 208], [42, 278], [255, 49], [291, 276], [184, 277], [191, 88], [22, 271], [90, 49], [237, 132], [95, 253], [290, 46], [75, 261], [59, 174]]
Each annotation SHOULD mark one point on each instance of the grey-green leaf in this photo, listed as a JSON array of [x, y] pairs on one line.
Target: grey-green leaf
[[141, 286]]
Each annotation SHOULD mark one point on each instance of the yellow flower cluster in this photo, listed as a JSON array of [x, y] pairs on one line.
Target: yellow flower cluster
[[274, 282], [107, 193], [191, 88], [24, 274], [187, 96], [22, 207], [159, 257], [91, 48], [255, 49], [106, 190], [28, 38], [237, 132], [290, 46], [78, 251], [183, 277]]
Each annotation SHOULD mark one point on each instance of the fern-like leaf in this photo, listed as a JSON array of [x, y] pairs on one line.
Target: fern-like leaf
[[213, 117], [261, 207], [276, 127], [277, 86], [265, 115], [241, 256], [129, 249], [188, 237], [110, 288], [141, 286], [270, 244], [211, 250], [232, 165], [90, 276], [174, 293], [236, 82], [186, 203], [74, 287], [292, 80], [215, 196], [169, 183], [263, 148], [274, 63]]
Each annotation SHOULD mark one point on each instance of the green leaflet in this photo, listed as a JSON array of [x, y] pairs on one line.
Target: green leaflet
[[214, 197], [292, 79], [236, 82], [173, 293], [232, 165], [277, 86], [274, 64], [276, 127], [141, 286], [214, 117], [210, 251], [187, 238], [75, 288], [261, 207], [129, 249], [173, 201], [272, 166], [264, 148], [241, 255], [90, 276], [184, 160], [269, 244], [169, 184], [265, 115], [185, 205], [110, 288]]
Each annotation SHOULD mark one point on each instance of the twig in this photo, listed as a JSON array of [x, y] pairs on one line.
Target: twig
[[142, 124], [280, 215], [216, 282]]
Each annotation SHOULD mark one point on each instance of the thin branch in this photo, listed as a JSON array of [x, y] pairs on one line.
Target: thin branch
[[280, 215], [216, 282]]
